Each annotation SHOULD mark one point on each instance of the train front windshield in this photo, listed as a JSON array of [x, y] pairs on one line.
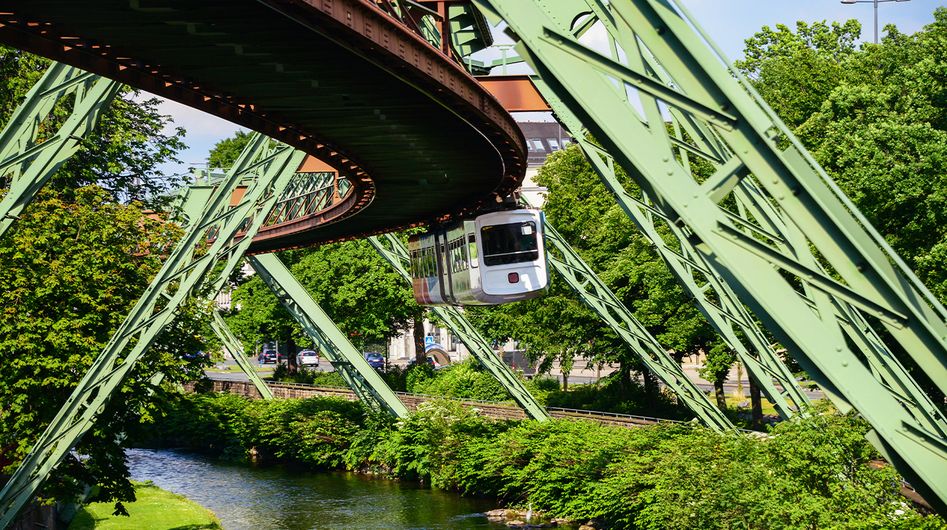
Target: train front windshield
[[509, 243]]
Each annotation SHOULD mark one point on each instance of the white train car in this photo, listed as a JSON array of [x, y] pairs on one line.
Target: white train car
[[496, 258]]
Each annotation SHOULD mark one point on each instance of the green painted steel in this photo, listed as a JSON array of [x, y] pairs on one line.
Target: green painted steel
[[184, 272], [28, 160], [713, 296], [610, 309], [394, 251], [233, 345], [367, 384], [663, 66]]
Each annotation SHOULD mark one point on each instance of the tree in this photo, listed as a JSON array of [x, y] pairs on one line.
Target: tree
[[875, 118], [74, 264], [122, 155], [226, 151], [73, 267], [359, 290]]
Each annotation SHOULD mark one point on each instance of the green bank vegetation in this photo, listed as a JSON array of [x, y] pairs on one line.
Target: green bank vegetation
[[154, 509], [812, 473]]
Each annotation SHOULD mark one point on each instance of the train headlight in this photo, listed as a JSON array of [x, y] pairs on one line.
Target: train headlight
[[513, 277]]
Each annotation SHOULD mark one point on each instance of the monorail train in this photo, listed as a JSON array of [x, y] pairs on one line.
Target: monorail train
[[496, 258]]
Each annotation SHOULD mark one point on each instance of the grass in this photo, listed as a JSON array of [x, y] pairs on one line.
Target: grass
[[155, 509]]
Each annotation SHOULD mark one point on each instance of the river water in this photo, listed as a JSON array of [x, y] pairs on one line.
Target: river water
[[262, 498]]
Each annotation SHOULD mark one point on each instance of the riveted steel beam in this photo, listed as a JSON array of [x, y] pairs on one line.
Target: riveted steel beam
[[656, 39], [394, 251], [233, 345], [610, 309], [29, 160], [364, 380], [185, 271], [718, 303]]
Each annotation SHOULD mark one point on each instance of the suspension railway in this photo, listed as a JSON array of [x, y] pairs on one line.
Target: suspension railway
[[380, 96]]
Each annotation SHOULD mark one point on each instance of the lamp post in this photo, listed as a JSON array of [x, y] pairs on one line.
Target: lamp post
[[875, 2]]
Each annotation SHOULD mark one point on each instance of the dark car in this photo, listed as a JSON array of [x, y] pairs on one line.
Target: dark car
[[375, 360], [268, 357]]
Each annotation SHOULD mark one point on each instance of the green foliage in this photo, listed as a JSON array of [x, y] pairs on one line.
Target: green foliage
[[465, 380], [812, 473], [74, 266], [359, 291], [875, 118], [308, 376], [226, 151], [613, 394], [122, 155]]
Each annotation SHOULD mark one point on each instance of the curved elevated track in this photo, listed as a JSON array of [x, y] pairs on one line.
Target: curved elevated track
[[343, 80]]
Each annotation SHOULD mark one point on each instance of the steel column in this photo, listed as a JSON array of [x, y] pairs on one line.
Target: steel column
[[30, 161], [714, 298], [367, 384], [185, 271], [664, 67], [610, 309], [394, 251], [233, 345]]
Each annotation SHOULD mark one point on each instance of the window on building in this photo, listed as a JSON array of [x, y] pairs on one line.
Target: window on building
[[553, 144], [537, 144]]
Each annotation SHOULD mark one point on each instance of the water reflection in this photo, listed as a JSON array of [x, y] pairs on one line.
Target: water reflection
[[255, 498]]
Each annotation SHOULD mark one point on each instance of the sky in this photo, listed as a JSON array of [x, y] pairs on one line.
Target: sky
[[728, 22]]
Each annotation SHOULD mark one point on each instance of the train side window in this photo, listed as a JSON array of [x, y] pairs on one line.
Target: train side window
[[472, 250]]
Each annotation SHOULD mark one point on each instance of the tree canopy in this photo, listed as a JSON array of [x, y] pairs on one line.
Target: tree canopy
[[75, 262]]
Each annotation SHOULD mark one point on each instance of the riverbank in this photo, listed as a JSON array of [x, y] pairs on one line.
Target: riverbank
[[153, 509], [811, 473]]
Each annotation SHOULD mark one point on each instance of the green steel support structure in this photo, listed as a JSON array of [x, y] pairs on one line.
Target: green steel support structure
[[185, 271], [232, 344], [610, 309], [713, 296], [28, 160], [364, 380], [662, 66], [394, 251]]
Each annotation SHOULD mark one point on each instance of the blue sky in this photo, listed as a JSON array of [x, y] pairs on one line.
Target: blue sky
[[729, 23]]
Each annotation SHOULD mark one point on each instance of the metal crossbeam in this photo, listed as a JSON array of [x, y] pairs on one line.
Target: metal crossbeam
[[184, 272], [394, 251], [610, 309], [692, 97], [367, 384], [233, 345], [718, 303], [30, 161]]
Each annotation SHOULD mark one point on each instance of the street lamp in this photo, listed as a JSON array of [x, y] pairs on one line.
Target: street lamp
[[876, 2]]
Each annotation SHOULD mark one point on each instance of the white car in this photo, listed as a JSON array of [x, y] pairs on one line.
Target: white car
[[307, 358]]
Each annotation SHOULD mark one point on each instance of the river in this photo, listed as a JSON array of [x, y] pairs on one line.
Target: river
[[278, 497]]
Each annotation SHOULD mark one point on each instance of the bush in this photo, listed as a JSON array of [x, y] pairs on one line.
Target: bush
[[811, 473], [308, 376], [463, 380]]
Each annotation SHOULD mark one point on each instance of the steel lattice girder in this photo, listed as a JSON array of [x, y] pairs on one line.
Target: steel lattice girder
[[232, 343], [610, 309], [727, 314], [184, 272], [748, 141], [30, 161], [394, 251], [364, 380]]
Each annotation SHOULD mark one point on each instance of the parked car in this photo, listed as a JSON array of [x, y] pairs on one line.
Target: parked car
[[430, 360], [268, 357], [375, 360], [307, 358]]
